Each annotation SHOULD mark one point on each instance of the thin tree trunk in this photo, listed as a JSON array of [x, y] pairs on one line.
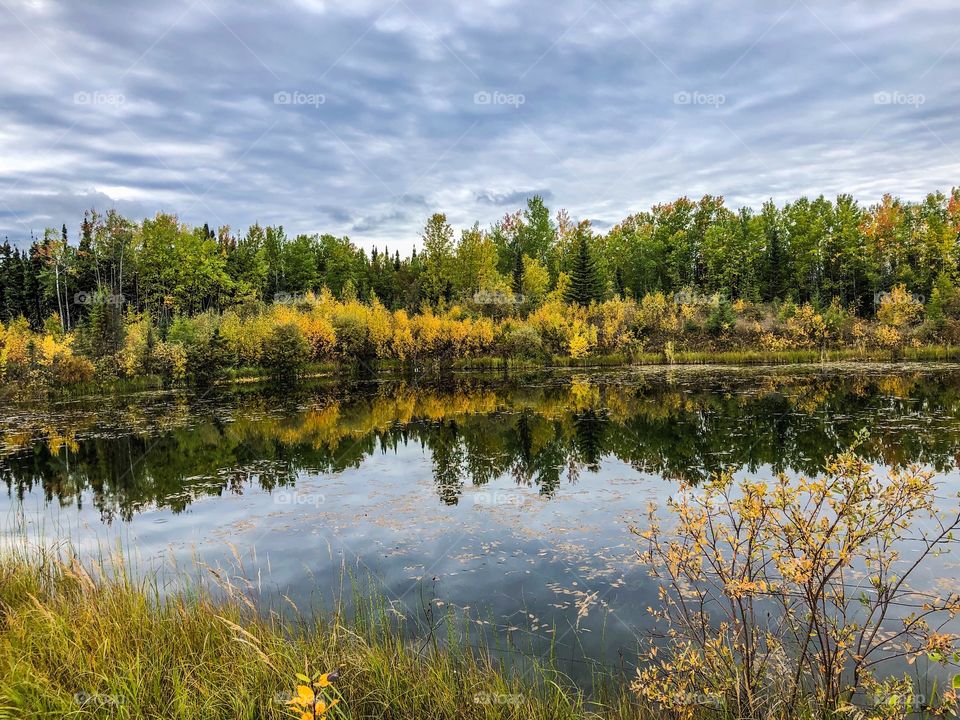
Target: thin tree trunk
[[56, 283], [66, 299]]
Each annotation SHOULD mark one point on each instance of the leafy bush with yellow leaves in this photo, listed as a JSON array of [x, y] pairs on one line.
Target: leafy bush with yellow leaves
[[737, 551], [899, 309]]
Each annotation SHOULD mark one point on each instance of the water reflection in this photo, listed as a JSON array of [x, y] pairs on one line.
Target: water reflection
[[504, 500], [167, 451]]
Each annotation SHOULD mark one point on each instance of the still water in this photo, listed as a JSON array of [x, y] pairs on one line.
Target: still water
[[505, 501]]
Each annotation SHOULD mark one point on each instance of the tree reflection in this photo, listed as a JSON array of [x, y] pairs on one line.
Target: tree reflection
[[474, 432]]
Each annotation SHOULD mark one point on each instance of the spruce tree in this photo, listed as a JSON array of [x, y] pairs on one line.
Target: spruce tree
[[584, 285], [33, 300], [13, 289], [105, 331], [517, 283], [6, 263]]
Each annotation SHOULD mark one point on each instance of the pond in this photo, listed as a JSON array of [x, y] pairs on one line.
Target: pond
[[504, 500]]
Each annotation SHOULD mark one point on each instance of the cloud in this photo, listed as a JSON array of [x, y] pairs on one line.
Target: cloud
[[511, 197], [363, 118]]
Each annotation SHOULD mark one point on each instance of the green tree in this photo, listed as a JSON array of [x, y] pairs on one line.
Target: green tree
[[285, 353], [537, 233], [299, 260], [246, 262], [585, 284], [475, 266], [438, 255], [516, 282]]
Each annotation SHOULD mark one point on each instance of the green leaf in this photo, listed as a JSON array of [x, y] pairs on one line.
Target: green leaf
[[302, 677], [956, 682]]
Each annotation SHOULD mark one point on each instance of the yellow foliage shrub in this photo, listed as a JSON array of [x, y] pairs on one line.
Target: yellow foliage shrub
[[806, 327], [898, 308]]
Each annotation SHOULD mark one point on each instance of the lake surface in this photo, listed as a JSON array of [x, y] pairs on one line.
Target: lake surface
[[505, 501]]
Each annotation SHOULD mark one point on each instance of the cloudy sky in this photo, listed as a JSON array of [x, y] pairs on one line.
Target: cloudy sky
[[362, 117]]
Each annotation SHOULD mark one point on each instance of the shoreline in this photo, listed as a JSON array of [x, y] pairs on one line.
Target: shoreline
[[388, 369]]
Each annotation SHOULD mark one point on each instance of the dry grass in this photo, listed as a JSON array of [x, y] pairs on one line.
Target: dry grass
[[87, 642]]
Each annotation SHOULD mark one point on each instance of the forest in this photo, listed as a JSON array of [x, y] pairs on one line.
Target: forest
[[121, 298]]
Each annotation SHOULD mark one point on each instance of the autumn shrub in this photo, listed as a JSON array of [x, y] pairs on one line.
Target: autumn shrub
[[353, 341], [656, 314], [887, 337], [56, 363], [380, 324], [788, 598], [17, 345], [402, 343], [520, 340], [806, 327], [473, 337], [286, 353], [170, 362], [615, 320], [552, 323], [838, 321], [246, 335], [134, 356], [749, 310], [432, 337], [70, 369], [583, 339], [898, 309]]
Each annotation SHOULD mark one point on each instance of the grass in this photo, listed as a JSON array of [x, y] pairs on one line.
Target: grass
[[92, 642], [490, 363]]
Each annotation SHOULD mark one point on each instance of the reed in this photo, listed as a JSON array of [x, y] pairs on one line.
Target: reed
[[96, 641]]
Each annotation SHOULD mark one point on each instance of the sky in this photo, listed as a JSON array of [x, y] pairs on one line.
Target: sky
[[362, 118]]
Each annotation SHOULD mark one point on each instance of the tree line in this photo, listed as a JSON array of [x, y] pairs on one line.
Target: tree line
[[813, 251]]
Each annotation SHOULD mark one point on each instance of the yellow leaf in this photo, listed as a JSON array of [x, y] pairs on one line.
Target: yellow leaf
[[304, 696]]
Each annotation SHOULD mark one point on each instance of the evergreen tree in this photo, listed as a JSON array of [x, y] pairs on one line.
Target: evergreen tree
[[584, 285], [104, 330], [6, 262], [14, 274], [34, 306], [517, 281]]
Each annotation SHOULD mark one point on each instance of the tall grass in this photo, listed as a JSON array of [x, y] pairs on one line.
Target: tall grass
[[92, 641]]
